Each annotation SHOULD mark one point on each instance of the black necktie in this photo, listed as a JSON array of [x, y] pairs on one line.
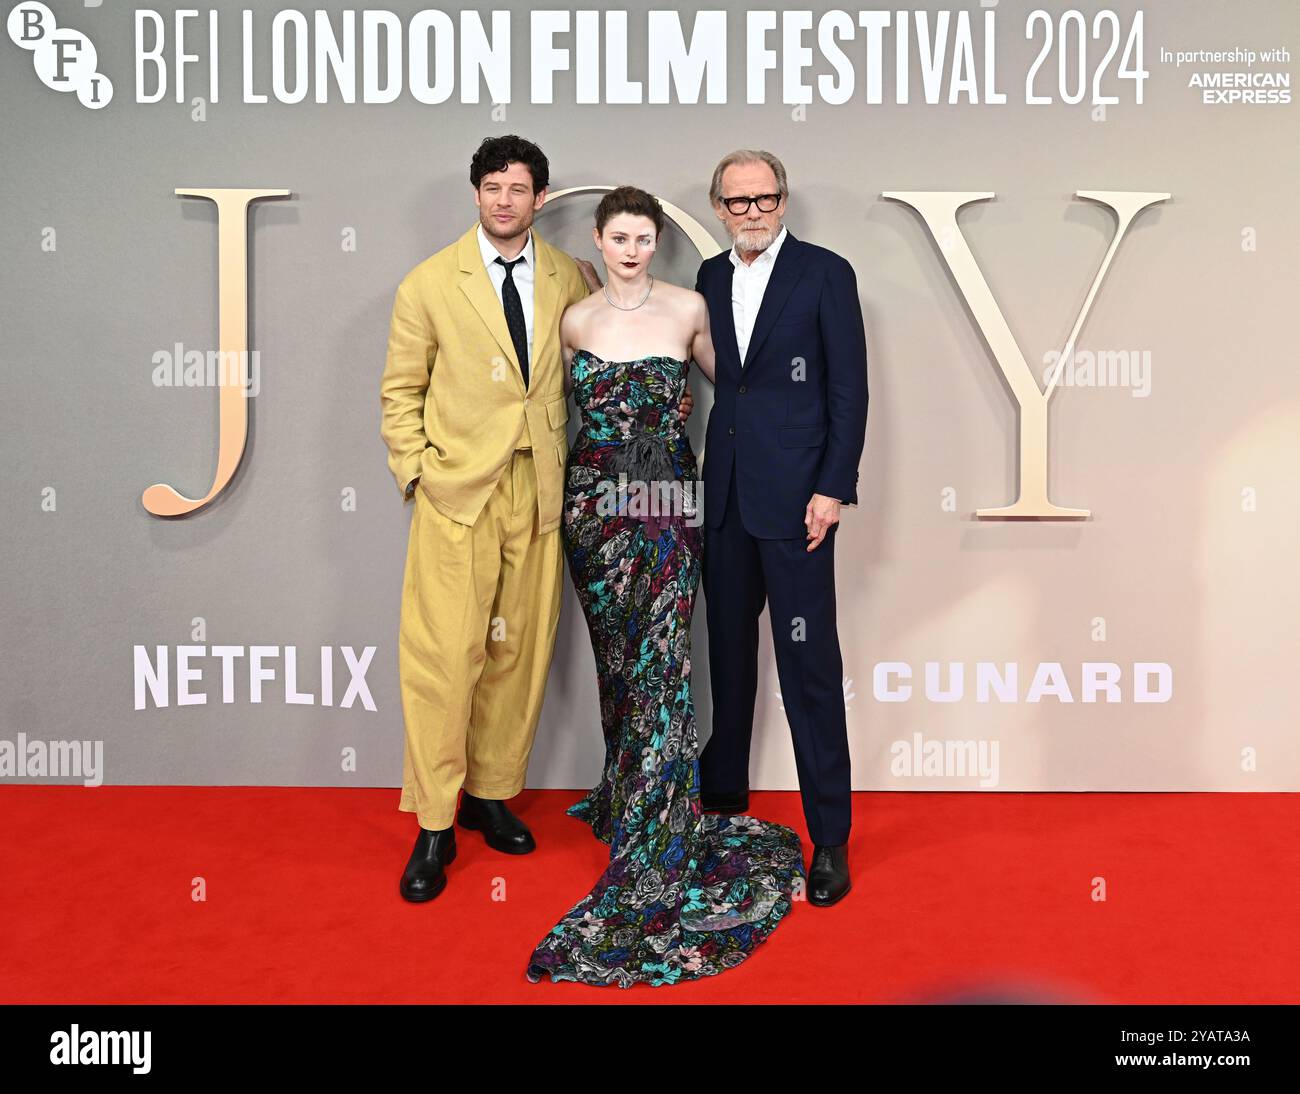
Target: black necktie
[[515, 314]]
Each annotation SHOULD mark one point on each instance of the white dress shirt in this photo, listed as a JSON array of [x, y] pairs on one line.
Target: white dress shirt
[[748, 284], [522, 276]]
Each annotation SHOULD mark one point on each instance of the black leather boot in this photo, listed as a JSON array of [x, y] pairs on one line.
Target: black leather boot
[[425, 874], [501, 828], [828, 879], [726, 805]]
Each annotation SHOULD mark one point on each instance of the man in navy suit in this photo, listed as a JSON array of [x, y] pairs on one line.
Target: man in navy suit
[[781, 456]]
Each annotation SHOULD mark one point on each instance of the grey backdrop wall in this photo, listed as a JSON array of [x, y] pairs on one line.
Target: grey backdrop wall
[[1187, 561]]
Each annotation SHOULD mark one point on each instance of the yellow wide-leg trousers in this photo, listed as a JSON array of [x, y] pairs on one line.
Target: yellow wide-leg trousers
[[480, 609]]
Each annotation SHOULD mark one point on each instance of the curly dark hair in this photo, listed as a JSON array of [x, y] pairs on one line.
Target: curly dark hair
[[628, 199], [498, 153]]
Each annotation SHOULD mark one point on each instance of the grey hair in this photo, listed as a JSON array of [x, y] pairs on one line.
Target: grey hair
[[743, 156]]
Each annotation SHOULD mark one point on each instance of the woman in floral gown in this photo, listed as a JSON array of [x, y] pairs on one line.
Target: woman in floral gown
[[685, 895]]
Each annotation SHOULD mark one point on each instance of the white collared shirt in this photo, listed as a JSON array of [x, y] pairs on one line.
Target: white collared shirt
[[748, 284], [522, 276]]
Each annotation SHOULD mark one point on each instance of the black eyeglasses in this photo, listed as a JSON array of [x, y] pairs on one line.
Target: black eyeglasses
[[766, 203]]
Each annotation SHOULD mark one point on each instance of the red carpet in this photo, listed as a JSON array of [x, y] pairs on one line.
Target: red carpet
[[954, 894]]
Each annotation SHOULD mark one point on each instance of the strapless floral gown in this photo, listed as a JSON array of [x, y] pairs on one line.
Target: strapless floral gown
[[685, 895]]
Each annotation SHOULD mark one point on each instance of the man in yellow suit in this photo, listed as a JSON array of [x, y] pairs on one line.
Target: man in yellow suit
[[474, 417]]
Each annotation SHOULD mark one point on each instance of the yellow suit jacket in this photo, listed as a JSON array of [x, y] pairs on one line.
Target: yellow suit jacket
[[452, 393]]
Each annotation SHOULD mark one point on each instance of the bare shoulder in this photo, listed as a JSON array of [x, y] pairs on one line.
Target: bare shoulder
[[685, 301], [582, 309], [574, 321]]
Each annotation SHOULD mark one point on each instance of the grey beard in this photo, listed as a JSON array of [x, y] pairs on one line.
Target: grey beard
[[755, 242]]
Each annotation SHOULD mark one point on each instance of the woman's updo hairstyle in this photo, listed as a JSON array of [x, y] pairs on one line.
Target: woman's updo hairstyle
[[628, 199]]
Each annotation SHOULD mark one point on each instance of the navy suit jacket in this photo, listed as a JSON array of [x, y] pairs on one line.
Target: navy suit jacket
[[793, 420]]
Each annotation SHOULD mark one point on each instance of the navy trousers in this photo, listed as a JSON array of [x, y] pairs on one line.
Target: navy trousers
[[740, 574]]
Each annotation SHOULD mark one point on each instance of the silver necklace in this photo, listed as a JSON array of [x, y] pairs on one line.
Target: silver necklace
[[605, 290]]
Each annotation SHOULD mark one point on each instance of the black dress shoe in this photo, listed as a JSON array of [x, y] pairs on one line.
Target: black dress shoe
[[727, 805], [500, 827], [425, 875], [828, 880]]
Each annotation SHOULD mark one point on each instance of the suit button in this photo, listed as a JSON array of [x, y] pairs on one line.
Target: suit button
[[732, 430], [741, 389]]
